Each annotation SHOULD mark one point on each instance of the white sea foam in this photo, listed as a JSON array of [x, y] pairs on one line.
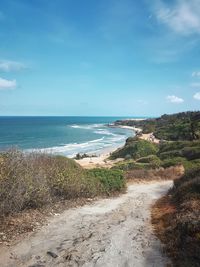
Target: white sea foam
[[86, 126], [105, 132], [108, 140], [91, 147]]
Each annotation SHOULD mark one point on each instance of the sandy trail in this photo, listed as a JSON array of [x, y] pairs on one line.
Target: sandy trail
[[109, 233]]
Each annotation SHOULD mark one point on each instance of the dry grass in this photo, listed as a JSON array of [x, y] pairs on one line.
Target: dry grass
[[170, 173], [176, 219]]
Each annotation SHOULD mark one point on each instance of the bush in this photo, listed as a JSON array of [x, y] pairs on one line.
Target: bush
[[177, 145], [170, 154], [191, 152], [110, 180], [173, 162], [33, 180], [127, 165], [136, 148], [153, 160]]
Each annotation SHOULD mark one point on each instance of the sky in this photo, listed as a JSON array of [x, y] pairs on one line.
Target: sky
[[99, 57]]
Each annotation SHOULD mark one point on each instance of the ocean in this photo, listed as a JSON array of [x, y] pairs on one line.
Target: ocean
[[62, 135]]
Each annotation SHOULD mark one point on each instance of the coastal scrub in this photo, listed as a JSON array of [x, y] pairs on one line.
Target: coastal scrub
[[35, 179]]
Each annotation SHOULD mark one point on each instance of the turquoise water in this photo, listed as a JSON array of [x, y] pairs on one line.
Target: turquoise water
[[61, 135]]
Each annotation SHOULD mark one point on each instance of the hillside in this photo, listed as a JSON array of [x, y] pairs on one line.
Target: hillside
[[33, 182], [180, 126], [176, 217]]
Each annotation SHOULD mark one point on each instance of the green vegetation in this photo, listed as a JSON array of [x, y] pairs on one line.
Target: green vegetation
[[181, 126], [152, 160], [187, 149], [176, 216], [127, 165], [82, 156], [140, 154], [33, 180], [135, 148], [111, 180]]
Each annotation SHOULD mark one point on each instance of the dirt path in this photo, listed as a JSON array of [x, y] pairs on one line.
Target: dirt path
[[110, 232]]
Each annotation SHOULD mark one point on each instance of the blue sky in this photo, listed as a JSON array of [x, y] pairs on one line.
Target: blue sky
[[99, 57]]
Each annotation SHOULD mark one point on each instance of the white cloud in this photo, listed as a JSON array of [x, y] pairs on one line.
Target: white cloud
[[7, 84], [182, 17], [174, 99], [7, 65], [196, 74], [197, 96]]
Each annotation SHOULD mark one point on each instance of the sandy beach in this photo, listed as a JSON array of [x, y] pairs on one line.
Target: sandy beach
[[130, 127], [99, 161]]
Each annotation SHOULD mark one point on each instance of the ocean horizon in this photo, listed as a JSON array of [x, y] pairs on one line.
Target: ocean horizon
[[63, 135]]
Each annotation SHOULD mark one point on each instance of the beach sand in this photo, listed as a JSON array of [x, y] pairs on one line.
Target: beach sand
[[99, 161]]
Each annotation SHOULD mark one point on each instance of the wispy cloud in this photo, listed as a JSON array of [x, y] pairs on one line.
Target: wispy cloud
[[174, 99], [196, 74], [195, 85], [118, 19], [7, 65], [182, 17], [197, 96], [7, 84]]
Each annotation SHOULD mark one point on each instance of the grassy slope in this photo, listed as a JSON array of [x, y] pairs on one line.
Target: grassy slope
[[181, 126], [33, 180]]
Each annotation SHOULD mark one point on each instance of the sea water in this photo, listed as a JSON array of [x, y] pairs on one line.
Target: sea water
[[62, 135]]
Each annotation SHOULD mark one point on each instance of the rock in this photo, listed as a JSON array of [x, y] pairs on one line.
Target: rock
[[52, 254]]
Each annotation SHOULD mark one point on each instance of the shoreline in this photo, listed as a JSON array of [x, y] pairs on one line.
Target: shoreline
[[135, 129], [101, 160]]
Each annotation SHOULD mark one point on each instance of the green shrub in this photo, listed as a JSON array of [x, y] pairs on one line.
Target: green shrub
[[177, 145], [170, 154], [136, 148], [191, 152], [110, 180], [187, 164], [153, 160], [187, 152], [173, 162], [128, 165]]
